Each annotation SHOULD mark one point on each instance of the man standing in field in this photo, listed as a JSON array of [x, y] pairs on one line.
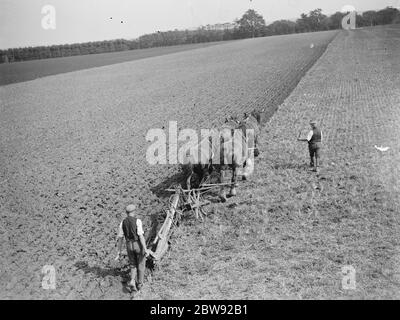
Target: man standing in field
[[131, 229], [314, 139]]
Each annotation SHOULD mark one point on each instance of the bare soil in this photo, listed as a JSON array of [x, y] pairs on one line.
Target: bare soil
[[30, 70], [290, 231], [73, 156]]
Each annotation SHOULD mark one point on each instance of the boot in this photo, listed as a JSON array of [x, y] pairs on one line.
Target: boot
[[132, 285], [222, 195], [139, 286]]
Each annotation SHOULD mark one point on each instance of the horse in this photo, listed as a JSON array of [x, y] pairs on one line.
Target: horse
[[252, 121], [202, 169], [242, 151], [229, 148]]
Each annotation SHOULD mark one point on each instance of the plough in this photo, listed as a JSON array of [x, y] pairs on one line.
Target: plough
[[182, 202]]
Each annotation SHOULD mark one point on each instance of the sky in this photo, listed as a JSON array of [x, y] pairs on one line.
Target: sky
[[22, 21]]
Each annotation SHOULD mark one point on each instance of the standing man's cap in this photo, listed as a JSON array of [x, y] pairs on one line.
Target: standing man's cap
[[130, 208], [313, 122]]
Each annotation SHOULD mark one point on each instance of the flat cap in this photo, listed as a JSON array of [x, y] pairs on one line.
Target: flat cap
[[130, 208]]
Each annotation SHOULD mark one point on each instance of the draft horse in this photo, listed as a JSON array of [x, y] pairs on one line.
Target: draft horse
[[227, 149]]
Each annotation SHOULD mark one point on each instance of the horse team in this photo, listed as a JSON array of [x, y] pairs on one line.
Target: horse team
[[229, 149]]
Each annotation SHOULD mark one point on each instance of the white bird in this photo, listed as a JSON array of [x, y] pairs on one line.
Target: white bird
[[312, 45], [382, 149]]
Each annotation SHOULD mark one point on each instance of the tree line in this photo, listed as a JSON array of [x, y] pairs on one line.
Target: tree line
[[250, 25]]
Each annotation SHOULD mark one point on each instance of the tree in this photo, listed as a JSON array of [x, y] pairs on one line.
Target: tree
[[387, 15], [314, 21], [251, 24], [397, 18], [282, 27], [370, 18], [334, 21], [302, 23]]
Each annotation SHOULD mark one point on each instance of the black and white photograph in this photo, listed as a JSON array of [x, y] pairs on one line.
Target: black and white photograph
[[212, 151]]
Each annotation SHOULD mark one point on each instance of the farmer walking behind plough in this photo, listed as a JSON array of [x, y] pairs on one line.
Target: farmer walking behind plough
[[131, 229], [314, 139]]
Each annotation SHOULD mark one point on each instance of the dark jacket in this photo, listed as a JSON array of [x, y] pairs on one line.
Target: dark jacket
[[130, 229], [316, 138]]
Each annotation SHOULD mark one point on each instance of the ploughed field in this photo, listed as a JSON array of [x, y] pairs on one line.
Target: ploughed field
[[30, 70], [291, 233], [73, 156]]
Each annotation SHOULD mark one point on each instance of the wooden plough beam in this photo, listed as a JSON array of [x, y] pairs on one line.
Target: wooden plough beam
[[181, 201], [162, 238]]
